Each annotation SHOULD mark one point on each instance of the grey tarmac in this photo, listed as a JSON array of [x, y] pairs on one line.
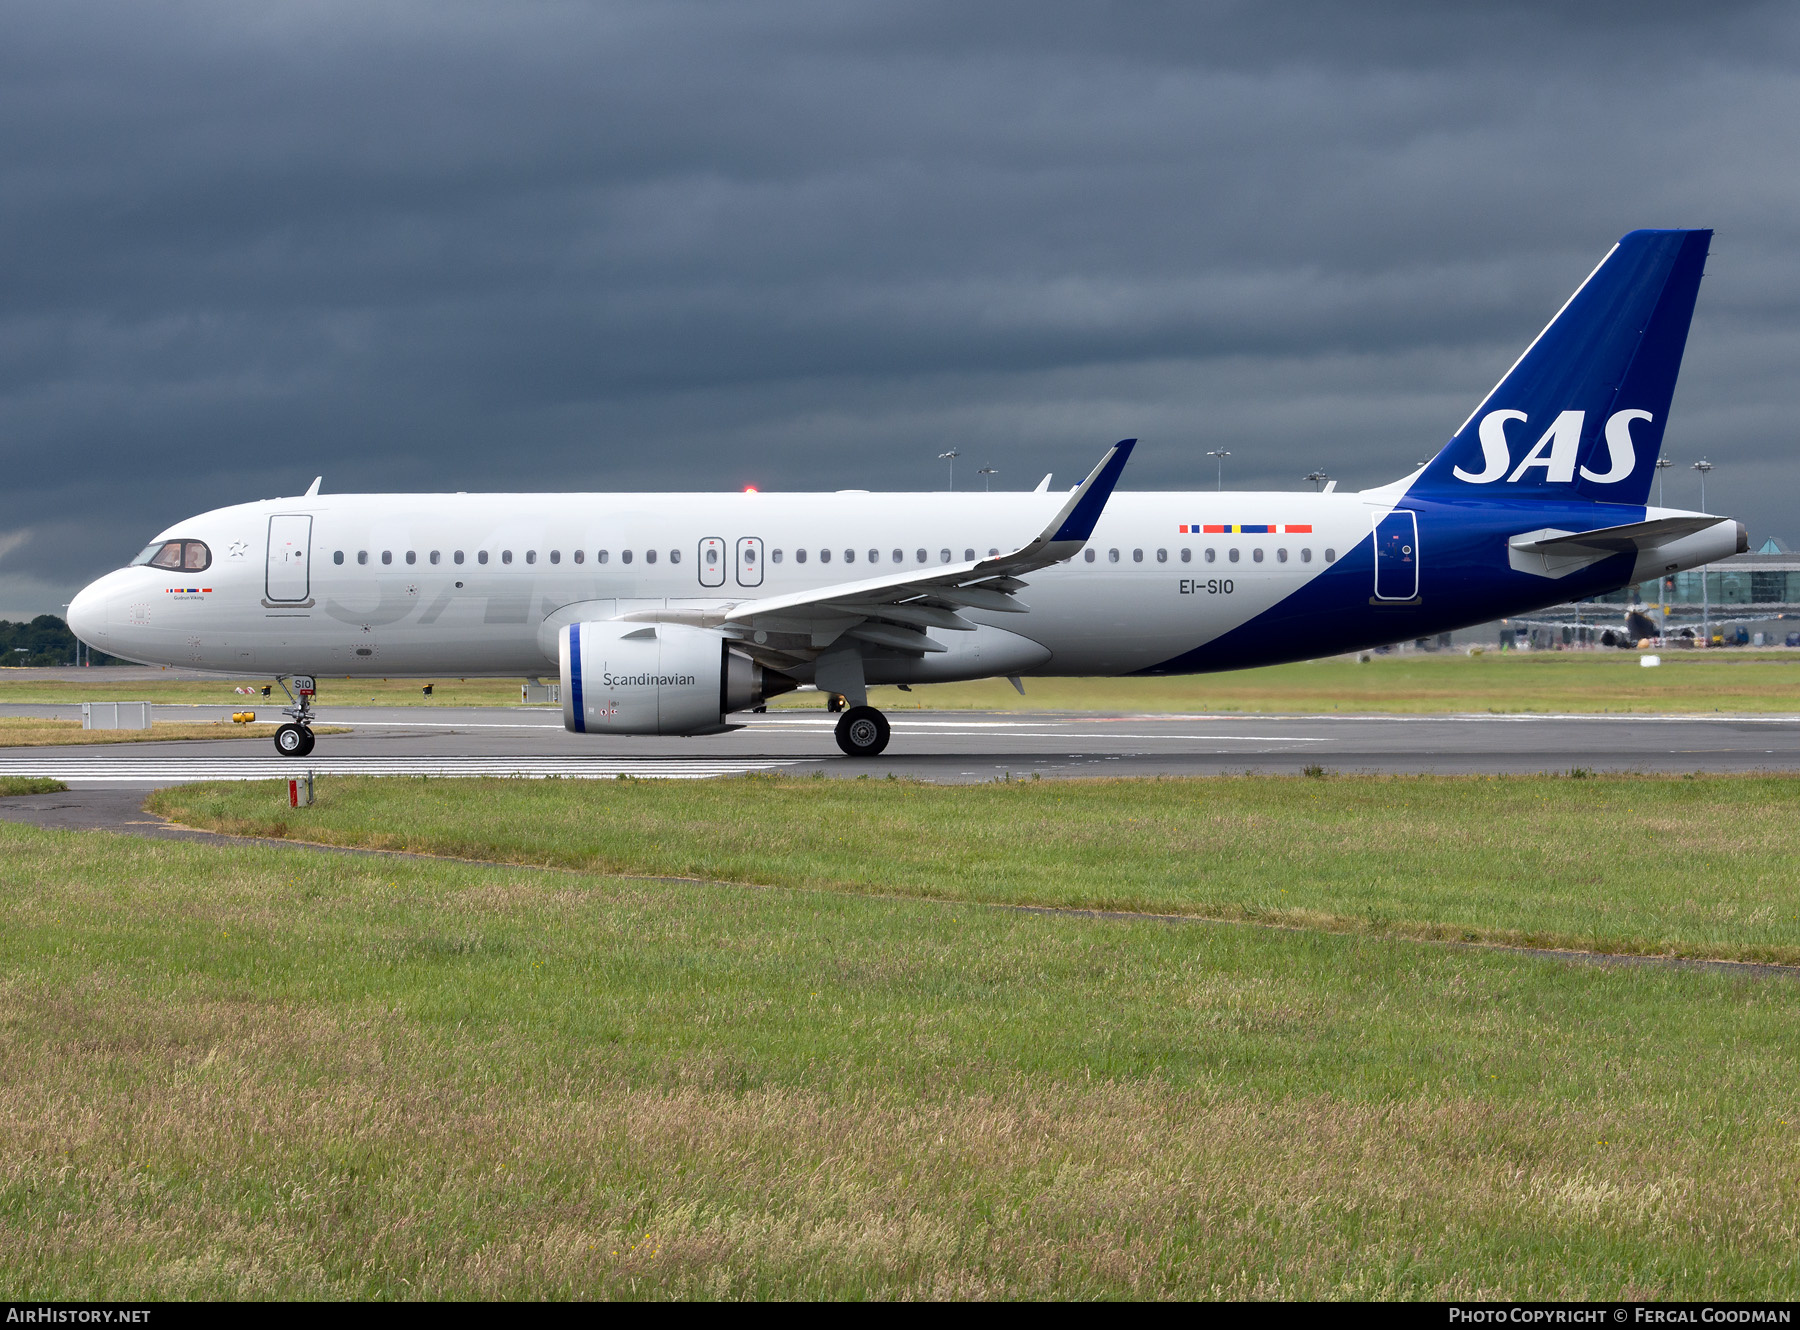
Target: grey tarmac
[[939, 746]]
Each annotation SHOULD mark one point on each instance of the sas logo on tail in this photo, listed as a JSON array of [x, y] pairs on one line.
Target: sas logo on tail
[[1555, 451]]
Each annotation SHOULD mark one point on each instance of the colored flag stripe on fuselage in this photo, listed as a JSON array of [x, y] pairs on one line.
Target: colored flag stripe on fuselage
[[1245, 529]]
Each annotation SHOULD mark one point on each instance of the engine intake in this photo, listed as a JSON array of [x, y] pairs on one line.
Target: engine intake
[[657, 678]]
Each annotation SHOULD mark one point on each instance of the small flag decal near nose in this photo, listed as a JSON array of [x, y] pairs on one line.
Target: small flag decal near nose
[[1246, 529]]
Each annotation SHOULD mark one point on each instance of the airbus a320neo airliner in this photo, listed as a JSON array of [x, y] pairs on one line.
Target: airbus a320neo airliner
[[669, 613]]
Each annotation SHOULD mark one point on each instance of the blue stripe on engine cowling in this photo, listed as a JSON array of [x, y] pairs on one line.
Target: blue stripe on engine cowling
[[579, 711]]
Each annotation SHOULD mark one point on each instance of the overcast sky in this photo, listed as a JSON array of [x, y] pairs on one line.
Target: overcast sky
[[813, 245]]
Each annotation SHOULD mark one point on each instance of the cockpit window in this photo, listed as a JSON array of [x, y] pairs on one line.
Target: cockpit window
[[190, 556]]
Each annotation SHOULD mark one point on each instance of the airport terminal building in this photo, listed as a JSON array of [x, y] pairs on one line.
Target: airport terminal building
[[1737, 597]]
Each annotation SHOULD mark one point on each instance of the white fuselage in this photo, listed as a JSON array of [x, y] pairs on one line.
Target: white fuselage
[[455, 584]]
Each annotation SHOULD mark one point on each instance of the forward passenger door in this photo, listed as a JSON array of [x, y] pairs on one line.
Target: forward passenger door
[[288, 578]]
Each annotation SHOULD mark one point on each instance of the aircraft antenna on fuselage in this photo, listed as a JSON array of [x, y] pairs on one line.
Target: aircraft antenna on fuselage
[[313, 489]]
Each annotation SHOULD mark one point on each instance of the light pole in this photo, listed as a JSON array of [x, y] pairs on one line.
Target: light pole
[[1662, 465], [1318, 479], [1221, 454], [986, 472], [1703, 466], [950, 457]]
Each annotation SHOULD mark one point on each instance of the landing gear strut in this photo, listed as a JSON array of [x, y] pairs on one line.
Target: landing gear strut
[[862, 732], [295, 739]]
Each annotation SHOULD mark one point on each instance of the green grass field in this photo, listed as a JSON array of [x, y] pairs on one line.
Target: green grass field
[[221, 692], [258, 1072], [1545, 681], [32, 732], [1698, 866], [11, 785]]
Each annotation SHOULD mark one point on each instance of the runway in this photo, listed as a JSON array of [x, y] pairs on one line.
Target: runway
[[938, 746]]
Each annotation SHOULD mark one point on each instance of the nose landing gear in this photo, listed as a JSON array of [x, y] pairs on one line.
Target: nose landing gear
[[295, 739], [862, 732]]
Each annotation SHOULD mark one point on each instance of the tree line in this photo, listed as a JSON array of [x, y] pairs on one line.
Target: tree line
[[46, 640]]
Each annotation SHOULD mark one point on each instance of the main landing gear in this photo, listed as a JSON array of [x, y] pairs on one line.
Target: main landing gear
[[862, 732], [295, 739]]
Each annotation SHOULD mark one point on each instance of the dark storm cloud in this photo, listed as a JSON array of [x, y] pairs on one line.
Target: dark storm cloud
[[812, 245]]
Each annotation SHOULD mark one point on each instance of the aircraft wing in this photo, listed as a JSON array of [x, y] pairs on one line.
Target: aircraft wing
[[898, 610]]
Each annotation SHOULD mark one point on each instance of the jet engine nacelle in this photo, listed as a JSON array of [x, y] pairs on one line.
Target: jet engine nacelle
[[657, 678]]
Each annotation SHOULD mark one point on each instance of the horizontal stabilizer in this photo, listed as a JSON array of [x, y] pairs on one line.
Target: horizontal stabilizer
[[1549, 552], [1614, 539]]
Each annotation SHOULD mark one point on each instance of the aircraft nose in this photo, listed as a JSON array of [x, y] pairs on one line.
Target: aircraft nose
[[87, 613]]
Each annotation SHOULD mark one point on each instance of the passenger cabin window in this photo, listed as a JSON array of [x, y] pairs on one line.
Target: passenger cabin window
[[1137, 556], [874, 556], [412, 556], [649, 556], [1212, 556], [899, 556], [674, 556], [1280, 556], [624, 556], [579, 556], [1256, 554], [1112, 556], [362, 556], [1330, 556], [799, 556], [775, 556], [1162, 556], [1187, 556], [387, 556], [943, 556], [1088, 554], [921, 556], [849, 556], [457, 557], [601, 556], [968, 556], [530, 556], [1232, 555], [436, 556], [337, 556], [505, 556], [824, 556], [480, 556], [1305, 556]]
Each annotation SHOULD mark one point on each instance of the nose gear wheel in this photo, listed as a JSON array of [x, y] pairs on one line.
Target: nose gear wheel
[[293, 740]]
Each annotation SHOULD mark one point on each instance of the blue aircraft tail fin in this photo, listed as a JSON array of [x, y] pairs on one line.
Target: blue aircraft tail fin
[[1581, 414]]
